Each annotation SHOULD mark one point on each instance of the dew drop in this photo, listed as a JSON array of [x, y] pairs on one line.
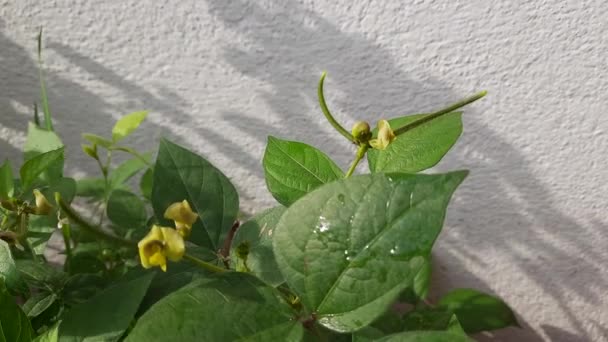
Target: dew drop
[[341, 198]]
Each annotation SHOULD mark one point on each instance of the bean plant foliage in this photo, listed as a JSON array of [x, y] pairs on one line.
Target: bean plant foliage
[[156, 248]]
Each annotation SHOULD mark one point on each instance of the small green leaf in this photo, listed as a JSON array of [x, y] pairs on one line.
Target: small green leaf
[[90, 187], [145, 184], [425, 336], [32, 168], [125, 171], [51, 335], [181, 175], [100, 318], [9, 274], [420, 288], [38, 303], [125, 209], [7, 185], [227, 307], [97, 140], [294, 169], [41, 275], [419, 148], [432, 319], [127, 124], [257, 232], [350, 247], [478, 311]]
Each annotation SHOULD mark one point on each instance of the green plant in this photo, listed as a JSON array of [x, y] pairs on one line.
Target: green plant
[[329, 263]]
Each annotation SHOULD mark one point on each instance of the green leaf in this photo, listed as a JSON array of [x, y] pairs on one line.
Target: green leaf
[[51, 335], [9, 274], [90, 187], [7, 185], [419, 148], [294, 169], [478, 311], [14, 325], [180, 174], [420, 288], [39, 231], [41, 276], [350, 247], [38, 303], [32, 168], [126, 209], [145, 184], [81, 287], [257, 232], [125, 171], [97, 140], [367, 334], [228, 307], [101, 318], [127, 124], [39, 141], [432, 319], [425, 336]]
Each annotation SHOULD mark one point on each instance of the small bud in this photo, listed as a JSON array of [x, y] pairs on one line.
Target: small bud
[[361, 132], [90, 150], [385, 136], [43, 207]]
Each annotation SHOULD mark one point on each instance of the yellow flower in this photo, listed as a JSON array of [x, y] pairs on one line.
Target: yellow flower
[[43, 207], [184, 217], [160, 244], [385, 136]]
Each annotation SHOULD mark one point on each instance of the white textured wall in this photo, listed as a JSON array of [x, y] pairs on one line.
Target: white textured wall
[[530, 223]]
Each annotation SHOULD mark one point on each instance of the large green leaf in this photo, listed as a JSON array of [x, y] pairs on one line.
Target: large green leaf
[[419, 148], [32, 168], [127, 124], [14, 325], [478, 311], [257, 233], [350, 247], [106, 316], [425, 336], [126, 209], [228, 307], [182, 175], [38, 303], [294, 169], [7, 185], [9, 274]]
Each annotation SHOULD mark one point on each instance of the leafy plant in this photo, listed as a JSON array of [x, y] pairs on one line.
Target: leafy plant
[[341, 257]]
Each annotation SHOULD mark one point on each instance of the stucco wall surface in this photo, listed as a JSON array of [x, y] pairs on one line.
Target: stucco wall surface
[[529, 224]]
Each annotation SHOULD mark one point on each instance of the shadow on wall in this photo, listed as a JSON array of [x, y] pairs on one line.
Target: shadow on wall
[[292, 45]]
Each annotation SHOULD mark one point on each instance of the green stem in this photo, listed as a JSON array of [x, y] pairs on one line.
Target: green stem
[[90, 228], [360, 153], [441, 112], [203, 264], [327, 113], [45, 100], [67, 237]]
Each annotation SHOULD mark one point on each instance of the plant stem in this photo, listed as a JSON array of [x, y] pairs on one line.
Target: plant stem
[[441, 112], [360, 153], [67, 237], [327, 113], [90, 228], [45, 100], [203, 264]]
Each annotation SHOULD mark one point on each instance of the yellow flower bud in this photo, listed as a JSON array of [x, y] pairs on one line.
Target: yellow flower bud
[[361, 132], [160, 244], [43, 207], [385, 136], [184, 217]]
